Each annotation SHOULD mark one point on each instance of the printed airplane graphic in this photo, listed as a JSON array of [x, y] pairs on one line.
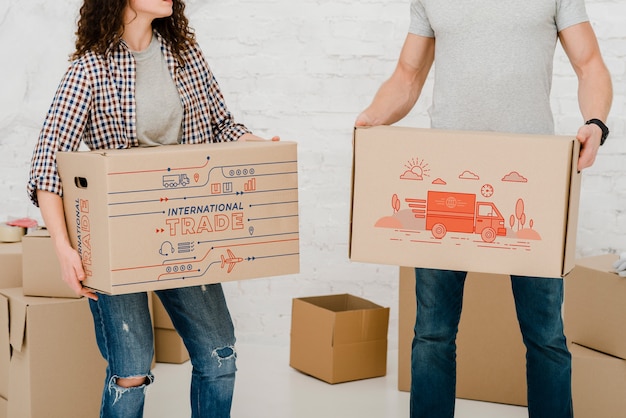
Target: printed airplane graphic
[[231, 260]]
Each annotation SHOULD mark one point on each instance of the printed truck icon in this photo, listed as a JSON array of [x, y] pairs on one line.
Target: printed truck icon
[[460, 212], [175, 180]]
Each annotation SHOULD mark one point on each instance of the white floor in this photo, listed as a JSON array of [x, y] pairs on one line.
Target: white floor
[[268, 388]]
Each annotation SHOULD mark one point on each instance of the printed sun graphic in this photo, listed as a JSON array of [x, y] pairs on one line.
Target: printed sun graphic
[[416, 170]]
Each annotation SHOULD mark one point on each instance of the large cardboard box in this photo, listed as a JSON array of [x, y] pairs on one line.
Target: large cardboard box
[[594, 306], [491, 357], [10, 264], [41, 272], [470, 201], [598, 384], [339, 338], [169, 346], [49, 338], [182, 215]]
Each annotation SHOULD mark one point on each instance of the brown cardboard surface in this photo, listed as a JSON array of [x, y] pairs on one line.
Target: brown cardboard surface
[[182, 215], [52, 337], [470, 201], [169, 347], [491, 363], [10, 264], [594, 308], [598, 384], [41, 269], [161, 317], [339, 338], [407, 308], [3, 407]]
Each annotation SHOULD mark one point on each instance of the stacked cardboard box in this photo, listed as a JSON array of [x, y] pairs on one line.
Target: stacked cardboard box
[[491, 364], [10, 276], [43, 340], [41, 272], [11, 262], [491, 356], [339, 338], [594, 312]]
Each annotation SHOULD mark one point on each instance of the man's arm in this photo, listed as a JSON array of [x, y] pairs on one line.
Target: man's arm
[[595, 91], [397, 96]]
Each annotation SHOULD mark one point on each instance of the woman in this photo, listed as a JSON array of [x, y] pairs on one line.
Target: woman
[[138, 78]]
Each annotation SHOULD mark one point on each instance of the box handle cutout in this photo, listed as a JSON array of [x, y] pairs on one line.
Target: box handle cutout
[[80, 182]]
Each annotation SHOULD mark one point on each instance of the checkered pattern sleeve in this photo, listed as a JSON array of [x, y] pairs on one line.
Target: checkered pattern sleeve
[[62, 131]]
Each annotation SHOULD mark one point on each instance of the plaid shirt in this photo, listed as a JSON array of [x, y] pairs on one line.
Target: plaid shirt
[[95, 104]]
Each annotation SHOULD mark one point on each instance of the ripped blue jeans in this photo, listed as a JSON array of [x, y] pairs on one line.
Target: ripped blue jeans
[[125, 339]]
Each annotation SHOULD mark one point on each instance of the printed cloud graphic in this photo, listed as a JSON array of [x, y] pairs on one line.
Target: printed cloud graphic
[[411, 175], [468, 175], [439, 180], [417, 170], [516, 177]]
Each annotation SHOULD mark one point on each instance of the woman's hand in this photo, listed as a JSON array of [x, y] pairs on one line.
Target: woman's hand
[[72, 272], [251, 137]]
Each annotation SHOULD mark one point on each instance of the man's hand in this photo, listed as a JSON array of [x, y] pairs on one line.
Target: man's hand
[[589, 138], [364, 120]]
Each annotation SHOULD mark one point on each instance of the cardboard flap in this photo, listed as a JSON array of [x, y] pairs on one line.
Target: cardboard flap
[[314, 324], [17, 307], [361, 325], [569, 249], [38, 233], [352, 192], [5, 348]]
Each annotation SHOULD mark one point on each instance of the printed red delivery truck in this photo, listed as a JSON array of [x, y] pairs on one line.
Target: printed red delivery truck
[[459, 212]]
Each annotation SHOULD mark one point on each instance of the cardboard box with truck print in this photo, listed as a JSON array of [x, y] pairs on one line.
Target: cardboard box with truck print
[[472, 201]]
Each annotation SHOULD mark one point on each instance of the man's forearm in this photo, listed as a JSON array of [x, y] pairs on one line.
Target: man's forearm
[[595, 92]]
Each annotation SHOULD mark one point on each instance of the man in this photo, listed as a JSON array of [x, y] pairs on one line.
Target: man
[[493, 71]]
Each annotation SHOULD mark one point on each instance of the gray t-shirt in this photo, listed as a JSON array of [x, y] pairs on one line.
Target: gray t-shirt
[[159, 112], [493, 60]]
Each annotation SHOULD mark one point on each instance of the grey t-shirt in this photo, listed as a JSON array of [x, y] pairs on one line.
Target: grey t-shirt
[[159, 112], [493, 60]]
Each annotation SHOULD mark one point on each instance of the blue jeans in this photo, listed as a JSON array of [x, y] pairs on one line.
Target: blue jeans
[[538, 303], [125, 339]]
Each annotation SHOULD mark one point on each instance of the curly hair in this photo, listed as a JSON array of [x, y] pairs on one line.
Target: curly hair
[[100, 27]]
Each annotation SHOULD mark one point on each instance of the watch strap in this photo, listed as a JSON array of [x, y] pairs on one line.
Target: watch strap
[[602, 126]]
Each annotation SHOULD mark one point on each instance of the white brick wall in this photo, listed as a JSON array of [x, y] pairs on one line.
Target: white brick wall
[[302, 70]]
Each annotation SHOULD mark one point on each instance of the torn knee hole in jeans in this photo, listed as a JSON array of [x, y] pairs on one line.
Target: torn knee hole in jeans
[[120, 390], [224, 353]]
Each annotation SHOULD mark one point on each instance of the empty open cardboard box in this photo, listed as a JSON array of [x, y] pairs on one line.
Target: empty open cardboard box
[[339, 338]]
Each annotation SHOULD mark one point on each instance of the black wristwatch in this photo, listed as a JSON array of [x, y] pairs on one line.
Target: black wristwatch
[[605, 130]]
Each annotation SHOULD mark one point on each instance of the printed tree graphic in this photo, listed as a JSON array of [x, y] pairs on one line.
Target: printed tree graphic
[[395, 203], [520, 215]]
